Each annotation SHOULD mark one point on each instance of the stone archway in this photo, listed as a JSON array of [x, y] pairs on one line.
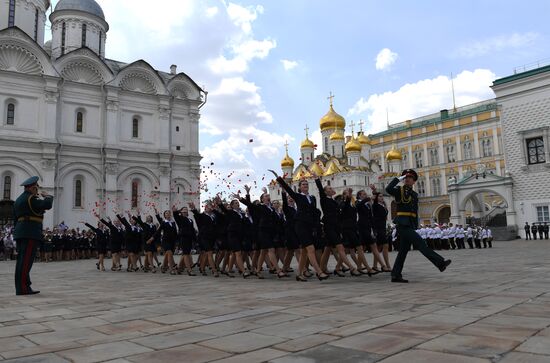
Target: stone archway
[[442, 214], [465, 190]]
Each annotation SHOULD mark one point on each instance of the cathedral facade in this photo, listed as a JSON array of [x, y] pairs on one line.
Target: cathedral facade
[[100, 134], [448, 146]]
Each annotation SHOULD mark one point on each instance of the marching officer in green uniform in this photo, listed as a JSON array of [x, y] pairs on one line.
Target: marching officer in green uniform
[[28, 212], [406, 222]]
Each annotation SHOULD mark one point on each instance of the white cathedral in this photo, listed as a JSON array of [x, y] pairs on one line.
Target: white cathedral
[[100, 134]]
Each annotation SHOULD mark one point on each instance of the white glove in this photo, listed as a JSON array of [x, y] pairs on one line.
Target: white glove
[[401, 178]]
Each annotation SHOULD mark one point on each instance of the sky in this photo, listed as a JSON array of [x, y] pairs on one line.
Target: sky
[[268, 66]]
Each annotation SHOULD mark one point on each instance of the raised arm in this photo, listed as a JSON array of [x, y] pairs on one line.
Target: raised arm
[[124, 221], [140, 222], [392, 187], [96, 230], [287, 187], [322, 193], [108, 224]]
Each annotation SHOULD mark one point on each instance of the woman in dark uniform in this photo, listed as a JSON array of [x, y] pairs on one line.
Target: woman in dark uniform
[[133, 237], [292, 244], [235, 234], [331, 228], [149, 229], [380, 215], [365, 223], [169, 231], [117, 235], [350, 235], [188, 236], [266, 218], [206, 222], [306, 224], [101, 239]]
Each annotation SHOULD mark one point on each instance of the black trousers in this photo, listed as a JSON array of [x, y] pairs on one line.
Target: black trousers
[[527, 235], [410, 237], [470, 243], [26, 253], [452, 242]]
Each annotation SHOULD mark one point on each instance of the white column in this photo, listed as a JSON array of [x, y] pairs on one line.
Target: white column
[[476, 145], [428, 184], [425, 155], [459, 155], [496, 146]]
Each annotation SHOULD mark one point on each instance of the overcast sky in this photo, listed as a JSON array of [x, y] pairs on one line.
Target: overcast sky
[[269, 66]]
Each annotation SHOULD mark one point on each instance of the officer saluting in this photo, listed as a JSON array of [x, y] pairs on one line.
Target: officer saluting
[[407, 222], [28, 212]]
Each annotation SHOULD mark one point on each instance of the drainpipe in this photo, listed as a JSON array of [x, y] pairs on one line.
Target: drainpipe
[[59, 150]]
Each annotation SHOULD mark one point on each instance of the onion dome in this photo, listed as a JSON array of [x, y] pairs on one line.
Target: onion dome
[[363, 139], [287, 161], [332, 169], [337, 136], [353, 145], [394, 154], [307, 143], [332, 120]]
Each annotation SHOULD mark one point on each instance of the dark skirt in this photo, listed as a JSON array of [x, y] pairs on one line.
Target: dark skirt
[[350, 238], [366, 236], [305, 233], [206, 244], [292, 240], [169, 246], [186, 246], [332, 236], [151, 247], [265, 239], [235, 242], [381, 238]]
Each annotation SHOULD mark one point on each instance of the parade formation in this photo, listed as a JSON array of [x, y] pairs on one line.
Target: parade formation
[[265, 236]]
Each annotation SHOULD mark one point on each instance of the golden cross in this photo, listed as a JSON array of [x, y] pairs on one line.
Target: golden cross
[[330, 97], [361, 123], [352, 125], [286, 145], [307, 129]]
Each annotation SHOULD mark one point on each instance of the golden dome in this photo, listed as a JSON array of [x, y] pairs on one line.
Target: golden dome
[[353, 145], [332, 120], [337, 136], [316, 168], [287, 162], [307, 143], [394, 154], [363, 139], [332, 169]]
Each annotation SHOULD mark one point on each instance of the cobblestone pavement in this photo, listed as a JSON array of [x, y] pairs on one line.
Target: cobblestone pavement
[[489, 306]]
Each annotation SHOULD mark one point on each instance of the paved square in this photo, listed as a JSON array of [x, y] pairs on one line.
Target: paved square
[[491, 305]]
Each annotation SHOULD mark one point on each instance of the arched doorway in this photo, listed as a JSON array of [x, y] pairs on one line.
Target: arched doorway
[[443, 214]]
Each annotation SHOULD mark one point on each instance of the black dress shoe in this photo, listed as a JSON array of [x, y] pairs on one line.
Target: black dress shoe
[[444, 266], [399, 279], [31, 292]]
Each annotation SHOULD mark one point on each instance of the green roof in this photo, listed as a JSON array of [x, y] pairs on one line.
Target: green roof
[[438, 119], [521, 75]]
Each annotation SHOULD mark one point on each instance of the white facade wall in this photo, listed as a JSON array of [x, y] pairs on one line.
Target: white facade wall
[[525, 113]]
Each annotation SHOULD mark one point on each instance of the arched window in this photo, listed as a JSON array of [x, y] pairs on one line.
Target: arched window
[[7, 187], [79, 121], [467, 149], [36, 25], [326, 144], [418, 159], [135, 127], [487, 147], [451, 157], [63, 35], [78, 193], [135, 191], [436, 187], [99, 47], [11, 14], [10, 114], [83, 35]]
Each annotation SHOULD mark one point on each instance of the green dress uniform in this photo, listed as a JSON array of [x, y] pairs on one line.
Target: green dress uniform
[[406, 223], [28, 212]]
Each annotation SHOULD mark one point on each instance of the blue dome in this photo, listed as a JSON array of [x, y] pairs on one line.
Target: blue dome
[[87, 6]]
